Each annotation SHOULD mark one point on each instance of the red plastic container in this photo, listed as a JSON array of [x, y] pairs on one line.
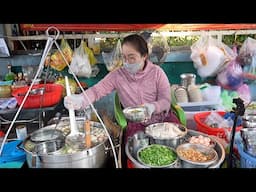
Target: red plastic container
[[202, 127], [52, 95]]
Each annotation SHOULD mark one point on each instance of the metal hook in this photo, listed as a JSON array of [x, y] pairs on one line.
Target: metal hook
[[235, 41], [63, 35], [56, 36]]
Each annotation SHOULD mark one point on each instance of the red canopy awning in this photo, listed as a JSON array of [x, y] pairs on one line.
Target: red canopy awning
[[92, 27], [136, 27]]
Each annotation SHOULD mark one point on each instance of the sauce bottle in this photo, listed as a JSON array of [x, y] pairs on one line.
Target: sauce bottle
[[10, 75]]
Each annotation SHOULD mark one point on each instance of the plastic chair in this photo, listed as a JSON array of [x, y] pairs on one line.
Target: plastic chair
[[119, 115], [122, 122], [178, 111]]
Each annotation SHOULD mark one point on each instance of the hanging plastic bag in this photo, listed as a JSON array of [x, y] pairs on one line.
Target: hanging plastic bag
[[80, 64], [244, 93], [249, 71], [56, 61], [231, 77], [113, 60], [210, 56], [90, 54], [158, 48], [247, 51], [227, 99]]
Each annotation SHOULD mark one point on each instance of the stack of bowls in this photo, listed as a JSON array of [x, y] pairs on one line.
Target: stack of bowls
[[249, 140], [194, 93], [249, 121], [181, 94]]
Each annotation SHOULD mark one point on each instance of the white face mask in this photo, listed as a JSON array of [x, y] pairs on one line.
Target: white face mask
[[132, 68]]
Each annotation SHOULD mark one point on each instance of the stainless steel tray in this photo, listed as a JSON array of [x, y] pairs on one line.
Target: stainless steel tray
[[130, 151]]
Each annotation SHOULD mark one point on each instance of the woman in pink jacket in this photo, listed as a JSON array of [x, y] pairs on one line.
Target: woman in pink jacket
[[138, 82]]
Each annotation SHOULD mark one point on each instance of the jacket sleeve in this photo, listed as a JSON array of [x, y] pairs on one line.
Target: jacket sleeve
[[163, 102], [101, 89]]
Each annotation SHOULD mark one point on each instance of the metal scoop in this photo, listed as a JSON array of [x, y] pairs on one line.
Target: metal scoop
[[58, 115]]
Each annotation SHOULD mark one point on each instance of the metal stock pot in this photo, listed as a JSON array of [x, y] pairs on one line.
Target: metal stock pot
[[94, 157]]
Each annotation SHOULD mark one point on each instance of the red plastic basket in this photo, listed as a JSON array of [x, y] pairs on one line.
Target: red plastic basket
[[52, 95], [202, 127]]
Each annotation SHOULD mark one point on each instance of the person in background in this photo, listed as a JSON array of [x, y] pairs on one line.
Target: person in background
[[137, 82]]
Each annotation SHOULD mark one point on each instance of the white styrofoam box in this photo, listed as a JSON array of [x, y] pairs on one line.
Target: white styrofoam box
[[211, 93]]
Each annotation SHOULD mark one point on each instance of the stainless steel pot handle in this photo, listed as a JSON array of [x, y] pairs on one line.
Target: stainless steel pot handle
[[35, 158], [109, 148]]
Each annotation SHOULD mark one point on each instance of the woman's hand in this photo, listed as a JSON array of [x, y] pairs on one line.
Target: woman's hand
[[150, 110], [74, 101]]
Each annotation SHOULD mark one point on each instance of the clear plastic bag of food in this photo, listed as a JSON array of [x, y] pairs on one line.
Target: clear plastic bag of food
[[113, 60], [231, 77], [56, 60], [244, 93], [90, 54], [80, 64], [158, 48], [210, 56], [215, 120], [247, 51]]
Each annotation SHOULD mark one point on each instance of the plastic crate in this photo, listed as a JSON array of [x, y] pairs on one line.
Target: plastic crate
[[246, 160], [51, 96], [202, 127]]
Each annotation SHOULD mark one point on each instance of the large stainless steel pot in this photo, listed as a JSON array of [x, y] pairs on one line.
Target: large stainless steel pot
[[94, 157]]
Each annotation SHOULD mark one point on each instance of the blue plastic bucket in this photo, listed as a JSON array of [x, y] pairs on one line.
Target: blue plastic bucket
[[246, 160]]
